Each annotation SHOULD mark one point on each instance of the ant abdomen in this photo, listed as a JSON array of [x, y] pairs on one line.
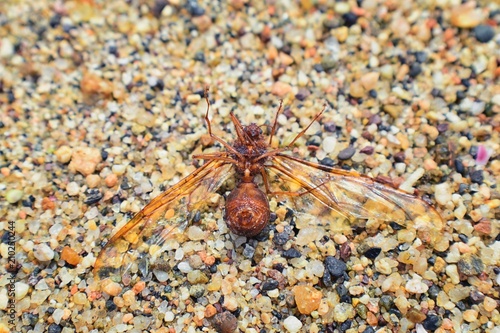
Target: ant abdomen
[[247, 210]]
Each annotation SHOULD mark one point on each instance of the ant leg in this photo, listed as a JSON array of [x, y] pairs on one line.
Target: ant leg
[[219, 156], [275, 123]]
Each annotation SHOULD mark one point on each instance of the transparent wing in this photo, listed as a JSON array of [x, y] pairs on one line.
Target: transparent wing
[[162, 219], [338, 199]]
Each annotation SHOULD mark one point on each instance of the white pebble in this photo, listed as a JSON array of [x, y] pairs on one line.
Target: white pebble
[[160, 275], [72, 188], [308, 235], [292, 324], [443, 193], [57, 315], [407, 185], [43, 252], [179, 254], [420, 328], [416, 286], [169, 316], [55, 229], [329, 144], [21, 289], [184, 267], [196, 233]]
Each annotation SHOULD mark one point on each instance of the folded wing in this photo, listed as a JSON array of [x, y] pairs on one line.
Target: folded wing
[[164, 218], [339, 199]]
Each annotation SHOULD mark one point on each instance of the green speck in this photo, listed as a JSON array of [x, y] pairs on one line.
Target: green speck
[[13, 196]]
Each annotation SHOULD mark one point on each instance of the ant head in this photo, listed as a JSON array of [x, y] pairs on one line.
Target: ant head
[[253, 131]]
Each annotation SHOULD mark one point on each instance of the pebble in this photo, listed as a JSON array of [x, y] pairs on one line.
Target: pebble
[[280, 89], [416, 286], [470, 265], [334, 266], [196, 277], [84, 160], [470, 315], [443, 193], [372, 253], [291, 253], [93, 181], [43, 252], [225, 322], [343, 312], [197, 291], [111, 180], [63, 154], [13, 196], [329, 144], [292, 324], [484, 33], [70, 256], [466, 15], [111, 288], [308, 235], [369, 80], [356, 89], [195, 233], [72, 189], [269, 285], [307, 298], [346, 153], [21, 290], [432, 323], [490, 304]]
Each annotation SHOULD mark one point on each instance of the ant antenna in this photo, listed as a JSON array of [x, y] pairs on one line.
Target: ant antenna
[[305, 129]]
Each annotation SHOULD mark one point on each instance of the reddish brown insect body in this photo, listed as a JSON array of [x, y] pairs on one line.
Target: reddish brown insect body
[[247, 210], [318, 196], [247, 207]]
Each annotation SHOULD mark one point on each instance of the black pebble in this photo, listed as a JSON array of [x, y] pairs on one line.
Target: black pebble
[[93, 197], [373, 93], [291, 253], [459, 166], [369, 330], [345, 325], [194, 8], [318, 68], [280, 238], [484, 33], [415, 69], [54, 328], [269, 285], [350, 19], [199, 56], [434, 291], [334, 266], [347, 153], [327, 162], [55, 20], [431, 323], [477, 176], [341, 290], [373, 252], [421, 56], [327, 280]]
